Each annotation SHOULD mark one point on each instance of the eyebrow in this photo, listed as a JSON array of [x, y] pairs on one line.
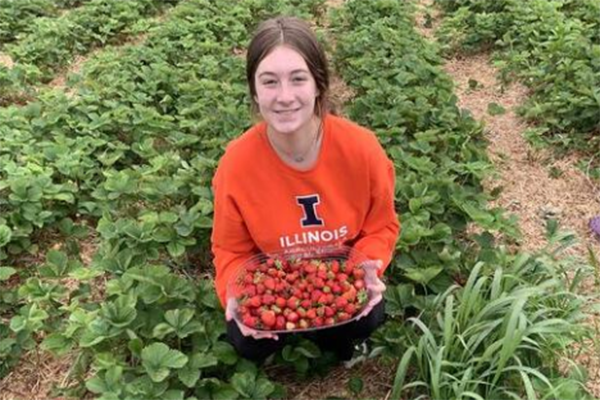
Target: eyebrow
[[293, 72]]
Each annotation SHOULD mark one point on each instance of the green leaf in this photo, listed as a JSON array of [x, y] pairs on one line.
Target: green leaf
[[356, 385], [495, 109], [158, 359], [423, 275], [225, 353], [6, 272], [189, 376], [175, 249], [5, 235], [243, 383]]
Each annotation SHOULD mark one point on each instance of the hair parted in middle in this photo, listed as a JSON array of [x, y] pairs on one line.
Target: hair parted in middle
[[297, 35]]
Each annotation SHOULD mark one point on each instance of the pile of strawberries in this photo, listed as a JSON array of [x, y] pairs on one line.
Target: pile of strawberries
[[288, 295]]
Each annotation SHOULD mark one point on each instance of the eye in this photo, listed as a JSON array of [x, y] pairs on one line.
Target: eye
[[299, 79], [269, 82]]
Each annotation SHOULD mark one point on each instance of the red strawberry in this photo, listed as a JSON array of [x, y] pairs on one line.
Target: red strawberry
[[343, 317], [269, 283], [260, 288], [255, 301], [268, 318], [250, 290], [341, 302], [268, 299], [280, 322], [293, 317], [280, 302], [335, 266], [249, 321], [358, 273], [350, 308], [293, 302]]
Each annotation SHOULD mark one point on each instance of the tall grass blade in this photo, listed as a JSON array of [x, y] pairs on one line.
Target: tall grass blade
[[401, 373]]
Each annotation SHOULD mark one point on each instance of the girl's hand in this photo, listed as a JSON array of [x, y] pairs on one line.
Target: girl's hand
[[375, 287], [246, 331]]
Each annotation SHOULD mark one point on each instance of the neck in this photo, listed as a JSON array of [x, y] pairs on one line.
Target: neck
[[296, 144]]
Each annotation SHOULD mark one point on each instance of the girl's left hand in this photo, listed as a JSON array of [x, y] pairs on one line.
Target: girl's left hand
[[375, 286]]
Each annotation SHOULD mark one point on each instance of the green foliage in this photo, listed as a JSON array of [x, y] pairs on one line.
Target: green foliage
[[126, 161], [16, 17], [439, 154], [500, 336], [552, 46]]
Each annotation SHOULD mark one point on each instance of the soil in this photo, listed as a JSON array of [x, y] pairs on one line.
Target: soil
[[6, 60]]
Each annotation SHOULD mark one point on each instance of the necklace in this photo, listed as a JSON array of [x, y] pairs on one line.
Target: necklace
[[301, 157]]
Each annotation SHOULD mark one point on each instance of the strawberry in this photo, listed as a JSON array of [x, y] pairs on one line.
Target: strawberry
[[293, 302], [280, 302], [358, 273], [260, 288], [268, 299], [249, 321], [350, 308], [268, 318], [255, 301], [269, 283], [359, 284], [303, 324], [293, 317], [343, 317], [280, 322], [335, 266], [341, 302]]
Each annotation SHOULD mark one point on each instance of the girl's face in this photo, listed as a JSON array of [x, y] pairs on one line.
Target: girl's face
[[285, 91]]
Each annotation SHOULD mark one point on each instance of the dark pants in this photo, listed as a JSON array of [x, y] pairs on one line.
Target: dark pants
[[339, 339]]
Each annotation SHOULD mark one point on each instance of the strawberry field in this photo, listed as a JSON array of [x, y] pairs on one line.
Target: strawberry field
[[106, 205]]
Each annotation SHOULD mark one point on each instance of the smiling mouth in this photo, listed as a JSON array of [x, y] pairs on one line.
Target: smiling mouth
[[284, 112]]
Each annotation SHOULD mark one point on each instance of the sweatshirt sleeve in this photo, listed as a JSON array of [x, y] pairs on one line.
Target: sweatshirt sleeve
[[378, 236], [231, 242]]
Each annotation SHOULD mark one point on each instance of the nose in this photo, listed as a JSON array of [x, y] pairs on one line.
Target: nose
[[286, 93]]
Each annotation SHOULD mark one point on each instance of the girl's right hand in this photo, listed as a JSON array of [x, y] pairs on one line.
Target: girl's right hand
[[246, 331]]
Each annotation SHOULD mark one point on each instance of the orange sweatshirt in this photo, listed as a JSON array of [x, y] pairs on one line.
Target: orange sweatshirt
[[263, 205]]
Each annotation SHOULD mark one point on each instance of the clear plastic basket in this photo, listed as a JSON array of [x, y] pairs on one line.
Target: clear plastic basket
[[343, 255]]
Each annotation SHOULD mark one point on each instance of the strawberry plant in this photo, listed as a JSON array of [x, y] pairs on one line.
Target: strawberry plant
[[437, 150], [16, 17]]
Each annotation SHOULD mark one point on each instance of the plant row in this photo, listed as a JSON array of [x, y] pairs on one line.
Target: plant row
[[17, 17], [482, 323], [52, 42], [552, 46], [128, 160]]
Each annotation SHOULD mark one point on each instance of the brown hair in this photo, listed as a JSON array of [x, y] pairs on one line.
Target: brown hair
[[297, 35]]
